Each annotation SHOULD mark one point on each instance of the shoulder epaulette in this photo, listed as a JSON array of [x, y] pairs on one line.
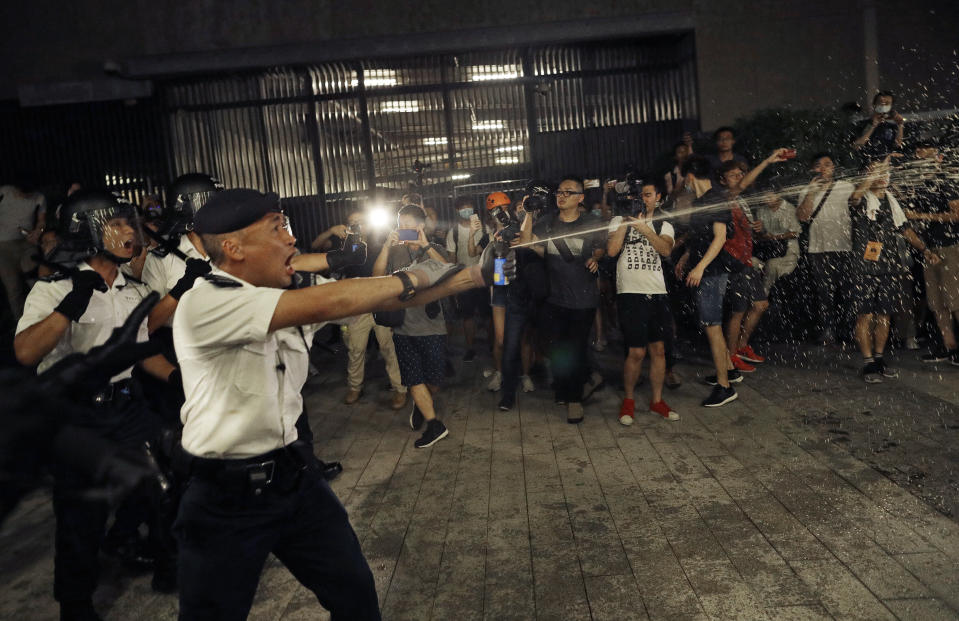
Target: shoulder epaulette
[[54, 277], [222, 281]]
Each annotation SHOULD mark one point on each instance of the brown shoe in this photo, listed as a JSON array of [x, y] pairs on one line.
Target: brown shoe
[[398, 402], [352, 396]]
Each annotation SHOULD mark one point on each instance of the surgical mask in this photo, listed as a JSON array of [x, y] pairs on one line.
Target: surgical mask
[[883, 109], [598, 213], [465, 213]]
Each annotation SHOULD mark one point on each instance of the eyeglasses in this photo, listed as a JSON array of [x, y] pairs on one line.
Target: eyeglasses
[[566, 193]]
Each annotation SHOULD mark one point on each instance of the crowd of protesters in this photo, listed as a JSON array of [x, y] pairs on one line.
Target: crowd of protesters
[[593, 263]]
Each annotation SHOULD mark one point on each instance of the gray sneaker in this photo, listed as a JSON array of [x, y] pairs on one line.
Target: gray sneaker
[[886, 370]]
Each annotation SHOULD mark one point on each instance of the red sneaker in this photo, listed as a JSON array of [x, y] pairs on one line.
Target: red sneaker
[[626, 412], [663, 410], [741, 365], [749, 355]]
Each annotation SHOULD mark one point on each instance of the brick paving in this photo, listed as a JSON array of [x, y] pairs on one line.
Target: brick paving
[[813, 496]]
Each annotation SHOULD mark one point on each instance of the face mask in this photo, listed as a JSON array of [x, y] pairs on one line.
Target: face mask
[[598, 213], [465, 213], [687, 187], [883, 109]]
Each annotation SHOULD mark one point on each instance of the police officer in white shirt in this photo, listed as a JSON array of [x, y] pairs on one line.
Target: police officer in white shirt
[[171, 268], [66, 314], [251, 491]]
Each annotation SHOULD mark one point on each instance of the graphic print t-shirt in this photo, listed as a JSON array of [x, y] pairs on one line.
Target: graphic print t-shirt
[[639, 268]]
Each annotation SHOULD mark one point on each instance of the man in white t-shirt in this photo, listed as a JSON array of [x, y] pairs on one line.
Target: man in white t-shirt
[[464, 245], [824, 203], [641, 243]]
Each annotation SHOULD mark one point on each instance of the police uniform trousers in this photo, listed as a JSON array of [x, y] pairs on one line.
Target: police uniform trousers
[[225, 528], [81, 511]]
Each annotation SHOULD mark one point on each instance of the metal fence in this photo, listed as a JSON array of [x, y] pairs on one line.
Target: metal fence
[[330, 137]]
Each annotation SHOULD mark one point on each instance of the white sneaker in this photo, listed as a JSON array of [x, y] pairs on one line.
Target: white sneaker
[[527, 383], [495, 382], [488, 372]]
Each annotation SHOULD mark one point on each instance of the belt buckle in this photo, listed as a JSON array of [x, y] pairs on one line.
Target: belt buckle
[[260, 475]]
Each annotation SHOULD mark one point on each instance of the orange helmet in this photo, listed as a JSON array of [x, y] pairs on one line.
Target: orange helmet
[[497, 199]]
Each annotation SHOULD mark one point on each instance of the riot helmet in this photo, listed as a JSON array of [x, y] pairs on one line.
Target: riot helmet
[[185, 196], [97, 221]]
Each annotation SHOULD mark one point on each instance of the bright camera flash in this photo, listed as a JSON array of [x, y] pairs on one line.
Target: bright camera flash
[[378, 217]]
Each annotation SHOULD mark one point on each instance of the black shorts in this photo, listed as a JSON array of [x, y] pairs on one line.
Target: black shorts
[[473, 301], [643, 318], [881, 294], [422, 359], [744, 288]]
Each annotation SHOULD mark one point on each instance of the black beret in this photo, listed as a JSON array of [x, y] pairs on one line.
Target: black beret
[[231, 210]]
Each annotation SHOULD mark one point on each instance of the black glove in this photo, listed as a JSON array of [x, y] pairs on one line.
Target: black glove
[[487, 261], [75, 303], [338, 259], [194, 269]]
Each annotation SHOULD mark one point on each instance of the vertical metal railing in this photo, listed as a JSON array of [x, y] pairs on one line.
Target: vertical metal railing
[[332, 136]]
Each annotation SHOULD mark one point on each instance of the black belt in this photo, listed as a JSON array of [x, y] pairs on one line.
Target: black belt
[[279, 468], [114, 391]]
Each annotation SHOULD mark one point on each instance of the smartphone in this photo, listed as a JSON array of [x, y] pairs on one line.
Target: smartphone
[[789, 154], [408, 234], [355, 246], [499, 278], [474, 218]]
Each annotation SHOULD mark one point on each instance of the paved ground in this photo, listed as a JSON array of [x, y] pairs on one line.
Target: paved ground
[[811, 497]]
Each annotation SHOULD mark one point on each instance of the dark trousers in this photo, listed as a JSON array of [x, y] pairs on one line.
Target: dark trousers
[[515, 324], [225, 536], [568, 330], [81, 517], [829, 272]]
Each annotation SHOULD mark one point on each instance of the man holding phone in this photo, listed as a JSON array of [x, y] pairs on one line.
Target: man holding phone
[[420, 340], [356, 335], [464, 243], [881, 134]]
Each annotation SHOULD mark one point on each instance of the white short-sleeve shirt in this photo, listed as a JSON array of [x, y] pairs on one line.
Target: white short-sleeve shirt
[[461, 245], [162, 273], [639, 268], [831, 230], [781, 221], [105, 312], [242, 382]]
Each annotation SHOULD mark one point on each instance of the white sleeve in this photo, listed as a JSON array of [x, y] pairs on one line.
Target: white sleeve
[[154, 275], [217, 316], [40, 302], [667, 230]]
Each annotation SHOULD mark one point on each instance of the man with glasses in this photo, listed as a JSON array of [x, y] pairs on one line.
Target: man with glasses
[[573, 243]]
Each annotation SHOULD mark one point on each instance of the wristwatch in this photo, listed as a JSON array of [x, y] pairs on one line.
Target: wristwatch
[[408, 289]]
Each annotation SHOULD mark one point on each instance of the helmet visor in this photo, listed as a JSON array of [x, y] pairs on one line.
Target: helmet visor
[[117, 231]]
